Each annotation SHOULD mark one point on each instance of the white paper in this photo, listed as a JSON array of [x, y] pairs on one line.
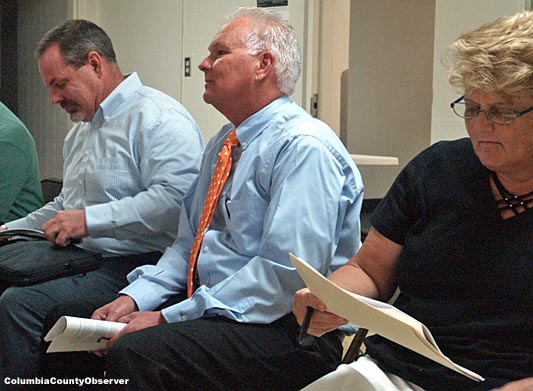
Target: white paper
[[71, 334]]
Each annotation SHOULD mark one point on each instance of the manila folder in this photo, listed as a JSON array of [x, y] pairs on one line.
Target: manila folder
[[376, 316]]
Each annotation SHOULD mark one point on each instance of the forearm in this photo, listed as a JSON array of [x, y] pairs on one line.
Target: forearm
[[371, 272], [37, 219], [151, 211]]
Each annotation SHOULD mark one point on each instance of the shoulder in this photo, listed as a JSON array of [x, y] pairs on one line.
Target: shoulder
[[148, 105], [13, 133], [446, 155], [157, 103]]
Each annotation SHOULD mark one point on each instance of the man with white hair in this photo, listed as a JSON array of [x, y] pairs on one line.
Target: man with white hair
[[292, 187]]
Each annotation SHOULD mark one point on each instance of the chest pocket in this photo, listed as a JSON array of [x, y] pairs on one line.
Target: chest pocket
[[244, 219]]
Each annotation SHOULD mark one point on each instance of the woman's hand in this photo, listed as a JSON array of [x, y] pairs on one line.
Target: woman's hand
[[322, 321]]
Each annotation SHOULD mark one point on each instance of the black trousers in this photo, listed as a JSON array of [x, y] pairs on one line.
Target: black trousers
[[212, 353]]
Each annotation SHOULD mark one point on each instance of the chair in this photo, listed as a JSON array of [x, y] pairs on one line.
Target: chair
[[51, 187], [354, 348]]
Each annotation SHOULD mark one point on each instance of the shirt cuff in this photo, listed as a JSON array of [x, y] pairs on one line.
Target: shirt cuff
[[98, 218], [147, 295], [182, 311]]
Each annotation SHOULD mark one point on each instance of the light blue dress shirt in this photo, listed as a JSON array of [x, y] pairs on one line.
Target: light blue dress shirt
[[294, 188], [129, 168]]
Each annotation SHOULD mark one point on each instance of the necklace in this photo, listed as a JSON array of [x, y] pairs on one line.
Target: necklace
[[516, 203]]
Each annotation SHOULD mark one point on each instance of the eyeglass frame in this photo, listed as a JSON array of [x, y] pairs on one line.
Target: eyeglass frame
[[512, 115]]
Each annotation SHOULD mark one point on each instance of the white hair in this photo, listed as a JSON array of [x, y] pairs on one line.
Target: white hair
[[271, 32]]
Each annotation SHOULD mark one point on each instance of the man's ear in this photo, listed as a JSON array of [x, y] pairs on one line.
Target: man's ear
[[265, 65], [94, 60]]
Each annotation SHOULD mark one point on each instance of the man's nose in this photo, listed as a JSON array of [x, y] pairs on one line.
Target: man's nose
[[205, 65], [55, 96]]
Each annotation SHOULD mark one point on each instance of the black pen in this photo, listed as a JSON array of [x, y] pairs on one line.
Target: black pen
[[305, 324]]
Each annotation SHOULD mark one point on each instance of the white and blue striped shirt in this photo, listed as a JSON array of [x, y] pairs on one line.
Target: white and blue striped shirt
[[129, 168]]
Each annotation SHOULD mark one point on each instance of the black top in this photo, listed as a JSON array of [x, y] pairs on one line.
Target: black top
[[464, 272]]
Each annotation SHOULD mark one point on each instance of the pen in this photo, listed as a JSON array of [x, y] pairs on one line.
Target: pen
[[305, 325]]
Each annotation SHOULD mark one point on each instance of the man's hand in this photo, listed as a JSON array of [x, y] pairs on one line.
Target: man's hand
[[65, 226], [322, 321], [525, 384], [113, 311], [121, 306], [125, 310], [137, 321]]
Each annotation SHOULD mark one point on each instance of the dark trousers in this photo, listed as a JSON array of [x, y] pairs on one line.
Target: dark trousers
[[23, 311], [212, 353]]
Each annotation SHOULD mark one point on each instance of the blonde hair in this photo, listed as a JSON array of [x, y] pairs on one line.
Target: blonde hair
[[495, 58]]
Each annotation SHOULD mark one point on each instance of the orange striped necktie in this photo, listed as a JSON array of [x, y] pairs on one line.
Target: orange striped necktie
[[220, 176]]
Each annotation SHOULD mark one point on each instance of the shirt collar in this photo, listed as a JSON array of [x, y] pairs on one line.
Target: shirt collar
[[254, 125], [112, 102]]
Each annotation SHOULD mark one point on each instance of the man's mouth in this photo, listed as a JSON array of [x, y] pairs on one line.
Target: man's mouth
[[69, 107]]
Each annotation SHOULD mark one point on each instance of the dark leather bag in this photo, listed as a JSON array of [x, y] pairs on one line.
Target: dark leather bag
[[27, 262]]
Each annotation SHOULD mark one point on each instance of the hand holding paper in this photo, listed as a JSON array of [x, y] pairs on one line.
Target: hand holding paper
[[381, 318]]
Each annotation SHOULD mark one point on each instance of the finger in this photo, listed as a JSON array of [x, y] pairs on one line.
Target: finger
[[51, 231], [116, 337], [48, 224], [62, 239], [99, 353], [99, 314], [324, 322]]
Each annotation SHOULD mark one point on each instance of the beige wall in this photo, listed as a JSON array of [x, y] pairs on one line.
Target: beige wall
[[332, 56], [390, 78]]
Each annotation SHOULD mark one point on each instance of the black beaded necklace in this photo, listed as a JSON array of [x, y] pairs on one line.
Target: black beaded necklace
[[510, 201]]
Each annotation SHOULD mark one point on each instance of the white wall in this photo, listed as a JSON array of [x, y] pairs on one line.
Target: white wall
[[331, 58], [403, 88], [399, 96], [147, 39], [389, 97], [452, 18]]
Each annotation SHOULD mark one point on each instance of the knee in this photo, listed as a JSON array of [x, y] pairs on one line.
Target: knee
[[10, 300], [124, 346]]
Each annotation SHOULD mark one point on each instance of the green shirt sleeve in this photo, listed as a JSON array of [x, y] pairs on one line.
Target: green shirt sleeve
[[13, 176]]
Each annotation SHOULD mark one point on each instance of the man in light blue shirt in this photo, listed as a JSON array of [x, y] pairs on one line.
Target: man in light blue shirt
[[128, 163], [293, 188]]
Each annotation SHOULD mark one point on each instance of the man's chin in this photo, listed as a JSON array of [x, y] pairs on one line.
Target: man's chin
[[76, 116], [208, 97]]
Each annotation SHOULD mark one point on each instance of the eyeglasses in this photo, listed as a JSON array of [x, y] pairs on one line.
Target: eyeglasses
[[501, 117]]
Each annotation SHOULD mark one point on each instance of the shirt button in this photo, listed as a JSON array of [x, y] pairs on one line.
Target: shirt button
[[183, 317], [80, 182], [206, 249]]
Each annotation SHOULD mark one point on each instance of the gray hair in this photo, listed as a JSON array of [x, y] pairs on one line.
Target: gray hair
[[76, 38], [271, 32]]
